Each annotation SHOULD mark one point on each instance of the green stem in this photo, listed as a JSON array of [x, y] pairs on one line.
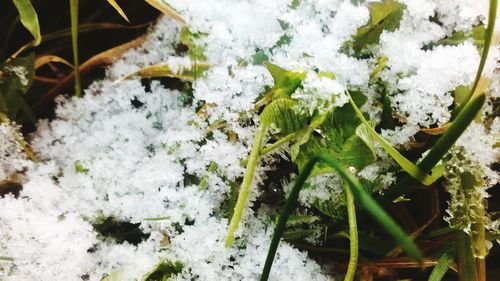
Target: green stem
[[488, 36], [466, 264], [245, 185], [278, 143], [360, 195], [442, 145], [353, 236], [74, 39]]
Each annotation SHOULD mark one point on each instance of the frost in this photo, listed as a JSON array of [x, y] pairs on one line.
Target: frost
[[130, 151], [320, 93]]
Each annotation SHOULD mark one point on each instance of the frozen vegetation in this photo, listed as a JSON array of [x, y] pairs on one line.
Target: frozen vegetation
[[164, 163]]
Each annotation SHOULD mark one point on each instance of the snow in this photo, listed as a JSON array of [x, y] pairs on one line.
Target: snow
[[137, 160]]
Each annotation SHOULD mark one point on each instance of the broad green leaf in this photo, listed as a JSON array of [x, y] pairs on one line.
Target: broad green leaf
[[281, 114], [337, 136], [163, 70], [16, 79], [118, 9], [384, 15], [29, 18], [285, 84]]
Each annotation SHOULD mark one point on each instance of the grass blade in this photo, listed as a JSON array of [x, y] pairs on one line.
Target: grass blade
[[441, 147], [29, 18], [488, 36], [360, 195], [441, 267], [167, 10], [245, 186], [81, 28], [405, 164], [118, 9], [74, 39]]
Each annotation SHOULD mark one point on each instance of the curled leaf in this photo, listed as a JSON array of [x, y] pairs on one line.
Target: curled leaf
[[29, 18], [43, 60]]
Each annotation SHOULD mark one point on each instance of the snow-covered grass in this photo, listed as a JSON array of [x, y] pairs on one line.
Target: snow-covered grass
[[167, 162]]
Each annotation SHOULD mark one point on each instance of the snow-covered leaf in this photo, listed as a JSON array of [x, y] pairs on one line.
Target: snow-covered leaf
[[384, 15]]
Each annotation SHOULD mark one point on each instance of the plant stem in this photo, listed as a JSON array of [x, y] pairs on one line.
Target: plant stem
[[466, 265], [353, 236], [74, 39], [479, 248], [245, 185], [488, 36], [278, 143], [363, 198]]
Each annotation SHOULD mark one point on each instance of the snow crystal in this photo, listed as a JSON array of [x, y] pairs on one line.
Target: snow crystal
[[130, 151]]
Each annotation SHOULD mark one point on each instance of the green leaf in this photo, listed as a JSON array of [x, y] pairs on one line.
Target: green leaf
[[17, 77], [281, 114], [384, 15], [441, 267], [360, 196], [477, 34], [405, 164], [338, 138], [188, 38], [164, 270], [285, 81], [442, 145], [29, 18], [80, 168], [259, 58]]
